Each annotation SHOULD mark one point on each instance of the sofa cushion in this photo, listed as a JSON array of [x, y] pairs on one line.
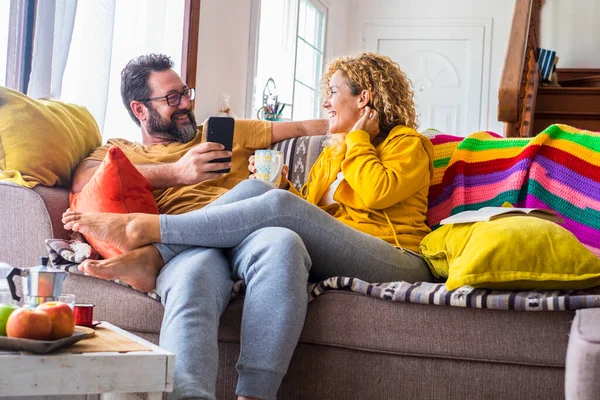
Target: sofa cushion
[[128, 309], [41, 142], [353, 321], [358, 347], [519, 252], [118, 187]]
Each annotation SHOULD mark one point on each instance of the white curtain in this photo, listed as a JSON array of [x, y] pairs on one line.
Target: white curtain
[[87, 72], [16, 52], [54, 22], [107, 34], [141, 27]]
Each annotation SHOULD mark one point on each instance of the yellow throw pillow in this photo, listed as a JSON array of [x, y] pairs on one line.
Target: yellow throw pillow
[[42, 141], [520, 253]]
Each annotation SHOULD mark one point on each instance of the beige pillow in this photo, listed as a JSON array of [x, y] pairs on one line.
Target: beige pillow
[[42, 141]]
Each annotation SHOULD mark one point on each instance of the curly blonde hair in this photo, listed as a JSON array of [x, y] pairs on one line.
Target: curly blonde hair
[[392, 95]]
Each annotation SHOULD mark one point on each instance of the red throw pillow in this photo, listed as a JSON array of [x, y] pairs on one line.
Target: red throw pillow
[[118, 187]]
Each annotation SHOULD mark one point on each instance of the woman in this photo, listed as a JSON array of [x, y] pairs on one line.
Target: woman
[[362, 212]]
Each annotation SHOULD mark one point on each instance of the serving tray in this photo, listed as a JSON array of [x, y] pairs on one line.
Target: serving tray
[[44, 346]]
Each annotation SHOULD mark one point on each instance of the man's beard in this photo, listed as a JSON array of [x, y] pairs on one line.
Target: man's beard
[[168, 129]]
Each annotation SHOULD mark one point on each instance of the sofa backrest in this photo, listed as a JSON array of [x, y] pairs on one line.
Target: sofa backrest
[[301, 153]]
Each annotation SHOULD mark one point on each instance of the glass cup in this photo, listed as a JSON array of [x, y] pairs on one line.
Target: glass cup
[[68, 299]]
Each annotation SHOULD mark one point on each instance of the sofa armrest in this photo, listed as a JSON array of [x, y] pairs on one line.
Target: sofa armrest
[[583, 356], [300, 154], [29, 217]]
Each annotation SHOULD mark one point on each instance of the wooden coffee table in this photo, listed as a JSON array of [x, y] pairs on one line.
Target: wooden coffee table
[[89, 375]]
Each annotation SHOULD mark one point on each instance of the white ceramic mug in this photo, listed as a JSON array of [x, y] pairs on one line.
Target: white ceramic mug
[[269, 164]]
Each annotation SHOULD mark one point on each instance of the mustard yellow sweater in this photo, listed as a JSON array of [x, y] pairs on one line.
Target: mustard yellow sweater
[[384, 191]]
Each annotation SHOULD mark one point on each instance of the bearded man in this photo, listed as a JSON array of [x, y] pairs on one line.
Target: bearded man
[[195, 283]]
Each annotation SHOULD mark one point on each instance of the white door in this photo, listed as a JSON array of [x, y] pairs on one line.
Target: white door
[[446, 62]]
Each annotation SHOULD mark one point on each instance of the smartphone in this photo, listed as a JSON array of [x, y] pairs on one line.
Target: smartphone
[[220, 130]]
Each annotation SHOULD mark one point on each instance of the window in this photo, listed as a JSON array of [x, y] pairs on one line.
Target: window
[[291, 44]]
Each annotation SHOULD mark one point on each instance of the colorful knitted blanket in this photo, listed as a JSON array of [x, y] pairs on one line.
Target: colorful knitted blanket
[[559, 169]]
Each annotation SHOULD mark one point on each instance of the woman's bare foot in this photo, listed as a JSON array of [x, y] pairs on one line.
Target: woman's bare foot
[[137, 268], [125, 231]]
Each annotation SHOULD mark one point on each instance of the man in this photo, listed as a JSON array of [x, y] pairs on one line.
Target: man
[[195, 284]]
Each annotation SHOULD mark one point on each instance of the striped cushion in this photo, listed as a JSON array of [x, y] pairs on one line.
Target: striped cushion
[[466, 296]]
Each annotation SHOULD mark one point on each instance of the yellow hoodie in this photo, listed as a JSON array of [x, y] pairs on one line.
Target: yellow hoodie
[[384, 191]]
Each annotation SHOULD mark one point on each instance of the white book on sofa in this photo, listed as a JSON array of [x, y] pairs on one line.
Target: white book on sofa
[[491, 213]]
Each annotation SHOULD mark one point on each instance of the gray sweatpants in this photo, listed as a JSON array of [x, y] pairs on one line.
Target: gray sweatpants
[[335, 248], [195, 287]]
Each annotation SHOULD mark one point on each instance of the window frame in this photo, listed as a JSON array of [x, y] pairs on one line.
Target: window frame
[[325, 10], [191, 27]]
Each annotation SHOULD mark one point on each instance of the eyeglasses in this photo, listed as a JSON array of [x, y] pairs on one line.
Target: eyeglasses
[[174, 99]]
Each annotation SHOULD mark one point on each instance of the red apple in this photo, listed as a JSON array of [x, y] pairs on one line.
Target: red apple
[[63, 319], [29, 323]]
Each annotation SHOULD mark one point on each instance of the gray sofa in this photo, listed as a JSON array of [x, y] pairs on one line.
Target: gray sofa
[[354, 346]]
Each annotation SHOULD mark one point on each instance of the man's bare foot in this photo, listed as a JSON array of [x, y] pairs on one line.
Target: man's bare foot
[[137, 268], [125, 231]]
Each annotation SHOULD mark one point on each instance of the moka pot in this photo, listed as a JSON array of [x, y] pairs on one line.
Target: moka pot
[[42, 283]]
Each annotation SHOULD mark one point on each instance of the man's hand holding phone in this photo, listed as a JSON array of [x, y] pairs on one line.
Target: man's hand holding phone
[[197, 164]]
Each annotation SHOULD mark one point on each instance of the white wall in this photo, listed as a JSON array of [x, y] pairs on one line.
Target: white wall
[[337, 31], [500, 11], [225, 34], [224, 37], [570, 27]]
